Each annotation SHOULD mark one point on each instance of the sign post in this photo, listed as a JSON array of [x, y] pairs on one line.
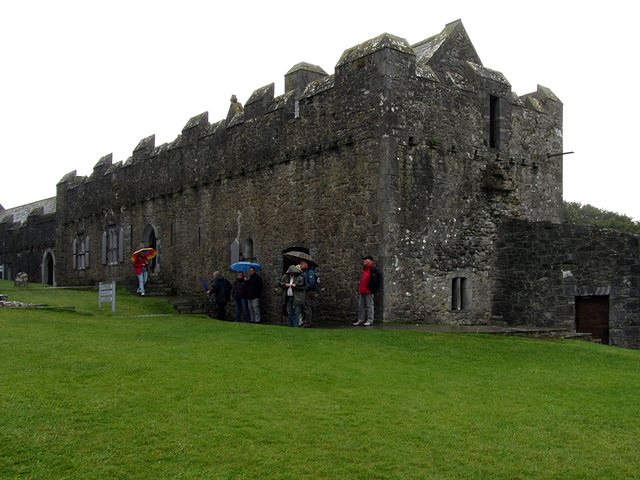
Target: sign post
[[107, 293]]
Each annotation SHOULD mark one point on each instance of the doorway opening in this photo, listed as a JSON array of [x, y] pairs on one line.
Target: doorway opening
[[150, 240], [592, 316], [48, 264]]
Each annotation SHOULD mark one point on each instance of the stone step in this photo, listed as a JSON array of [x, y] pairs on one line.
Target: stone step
[[155, 287], [193, 305]]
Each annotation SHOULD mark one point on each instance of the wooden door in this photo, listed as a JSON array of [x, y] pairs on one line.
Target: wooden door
[[592, 316]]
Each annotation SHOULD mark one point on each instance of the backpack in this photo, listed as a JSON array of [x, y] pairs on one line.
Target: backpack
[[375, 280], [315, 277]]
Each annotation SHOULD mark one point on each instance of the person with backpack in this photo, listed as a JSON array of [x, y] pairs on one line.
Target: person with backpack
[[370, 281], [307, 308], [222, 288]]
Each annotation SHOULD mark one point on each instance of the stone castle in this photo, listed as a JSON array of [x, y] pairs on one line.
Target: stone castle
[[416, 154]]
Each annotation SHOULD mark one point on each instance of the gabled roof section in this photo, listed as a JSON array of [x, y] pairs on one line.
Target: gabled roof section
[[21, 213], [451, 46]]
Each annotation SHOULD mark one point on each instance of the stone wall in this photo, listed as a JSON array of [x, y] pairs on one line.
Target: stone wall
[[541, 268], [452, 187], [274, 180], [25, 244], [389, 156]]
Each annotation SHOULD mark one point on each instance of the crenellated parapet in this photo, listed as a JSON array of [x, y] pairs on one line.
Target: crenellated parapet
[[444, 133], [313, 115]]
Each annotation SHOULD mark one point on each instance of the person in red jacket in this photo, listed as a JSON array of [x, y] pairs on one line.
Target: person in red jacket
[[369, 284], [141, 266]]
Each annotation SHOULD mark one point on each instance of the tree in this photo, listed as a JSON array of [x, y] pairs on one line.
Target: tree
[[575, 212]]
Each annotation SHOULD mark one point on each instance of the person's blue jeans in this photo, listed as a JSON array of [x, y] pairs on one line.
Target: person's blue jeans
[[242, 310], [293, 311], [142, 279]]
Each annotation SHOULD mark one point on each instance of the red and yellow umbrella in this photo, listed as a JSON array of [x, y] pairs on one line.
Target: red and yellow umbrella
[[148, 252]]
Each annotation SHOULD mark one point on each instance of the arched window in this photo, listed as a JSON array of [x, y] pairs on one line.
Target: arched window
[[248, 250], [235, 251]]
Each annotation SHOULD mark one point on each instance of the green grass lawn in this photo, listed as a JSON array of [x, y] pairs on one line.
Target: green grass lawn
[[90, 394]]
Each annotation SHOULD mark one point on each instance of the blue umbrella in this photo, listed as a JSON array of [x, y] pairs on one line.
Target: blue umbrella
[[244, 267]]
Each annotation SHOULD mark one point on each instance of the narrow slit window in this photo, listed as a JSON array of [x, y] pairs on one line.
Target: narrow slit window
[[460, 293], [494, 123]]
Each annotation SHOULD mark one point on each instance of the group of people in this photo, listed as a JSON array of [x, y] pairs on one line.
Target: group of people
[[299, 286], [246, 292]]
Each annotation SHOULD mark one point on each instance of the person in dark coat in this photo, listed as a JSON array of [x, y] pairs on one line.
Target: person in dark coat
[[254, 291], [240, 299], [221, 287], [307, 308]]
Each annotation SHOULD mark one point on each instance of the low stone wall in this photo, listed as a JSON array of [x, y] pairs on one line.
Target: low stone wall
[[541, 268]]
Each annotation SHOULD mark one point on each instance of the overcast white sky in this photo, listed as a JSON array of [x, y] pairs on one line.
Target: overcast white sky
[[82, 79]]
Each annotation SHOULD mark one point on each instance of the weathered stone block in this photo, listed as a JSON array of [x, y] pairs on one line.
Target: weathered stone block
[[21, 280]]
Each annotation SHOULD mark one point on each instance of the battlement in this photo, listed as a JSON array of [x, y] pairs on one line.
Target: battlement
[[268, 130]]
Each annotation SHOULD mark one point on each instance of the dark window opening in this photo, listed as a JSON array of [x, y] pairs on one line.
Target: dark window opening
[[460, 293], [81, 252], [248, 250], [112, 245], [494, 124]]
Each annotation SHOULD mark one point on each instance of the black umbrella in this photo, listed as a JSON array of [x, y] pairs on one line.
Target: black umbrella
[[298, 256]]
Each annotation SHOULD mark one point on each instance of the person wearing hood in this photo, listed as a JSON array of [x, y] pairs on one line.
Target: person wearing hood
[[293, 284], [369, 284]]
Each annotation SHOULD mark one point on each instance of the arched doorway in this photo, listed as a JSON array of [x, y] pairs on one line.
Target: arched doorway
[[150, 240], [48, 266]]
